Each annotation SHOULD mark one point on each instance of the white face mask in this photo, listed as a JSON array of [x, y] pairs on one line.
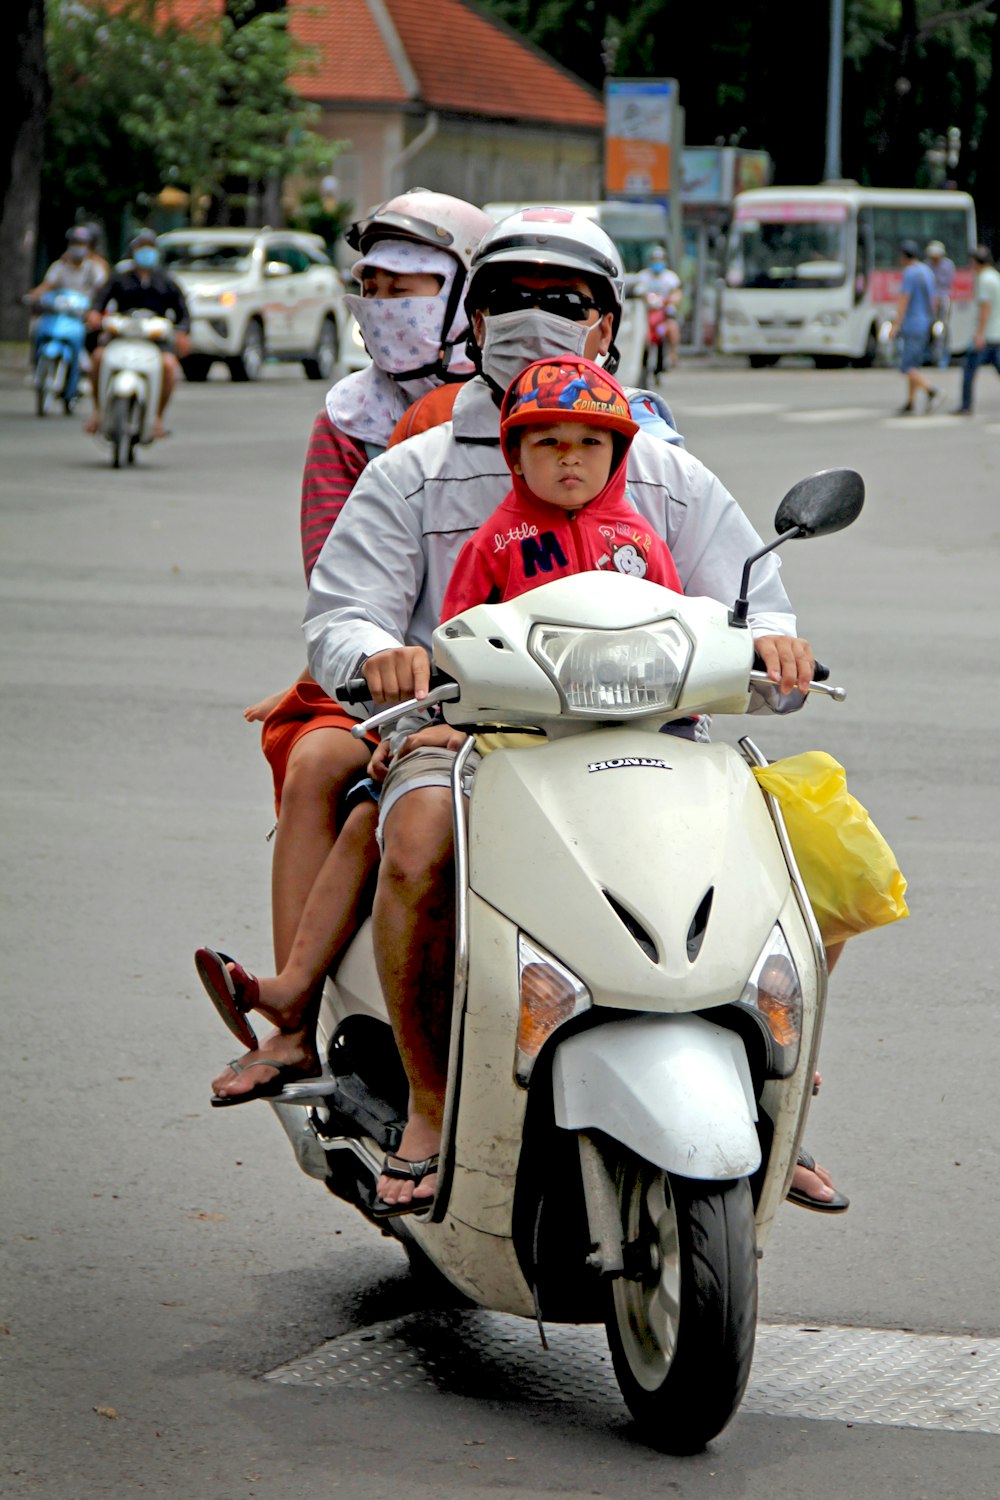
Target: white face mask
[[516, 339], [401, 334]]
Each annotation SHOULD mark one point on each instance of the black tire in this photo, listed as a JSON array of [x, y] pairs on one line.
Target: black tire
[[322, 363], [118, 430], [50, 377], [831, 361], [762, 361], [867, 359], [681, 1322], [196, 367], [249, 363]]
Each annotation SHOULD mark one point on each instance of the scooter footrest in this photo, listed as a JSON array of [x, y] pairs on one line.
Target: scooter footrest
[[355, 1103]]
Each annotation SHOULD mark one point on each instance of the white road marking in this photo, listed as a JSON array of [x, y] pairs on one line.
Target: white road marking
[[831, 414]]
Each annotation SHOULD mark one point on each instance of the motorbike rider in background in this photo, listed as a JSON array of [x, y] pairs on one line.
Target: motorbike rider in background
[[662, 291], [78, 269], [545, 283], [141, 285]]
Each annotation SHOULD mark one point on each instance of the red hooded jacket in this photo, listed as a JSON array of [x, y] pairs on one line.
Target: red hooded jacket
[[527, 542]]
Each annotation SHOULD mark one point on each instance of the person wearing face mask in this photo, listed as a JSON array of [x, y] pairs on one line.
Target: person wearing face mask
[[545, 283], [78, 269], [142, 285], [661, 288], [414, 252]]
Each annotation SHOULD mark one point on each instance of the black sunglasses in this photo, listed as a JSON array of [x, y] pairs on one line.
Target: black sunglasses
[[564, 304]]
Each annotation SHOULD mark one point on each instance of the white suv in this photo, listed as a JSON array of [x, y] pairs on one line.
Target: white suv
[[255, 294]]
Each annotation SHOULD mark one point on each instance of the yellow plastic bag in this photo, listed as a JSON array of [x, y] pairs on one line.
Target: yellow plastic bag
[[848, 869]]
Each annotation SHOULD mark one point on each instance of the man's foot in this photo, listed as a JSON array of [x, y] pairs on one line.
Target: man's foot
[[905, 411], [159, 431], [289, 1049], [93, 424], [420, 1140], [961, 411], [933, 397]]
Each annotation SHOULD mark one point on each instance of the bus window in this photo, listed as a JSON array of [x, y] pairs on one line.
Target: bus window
[[893, 225], [788, 252]]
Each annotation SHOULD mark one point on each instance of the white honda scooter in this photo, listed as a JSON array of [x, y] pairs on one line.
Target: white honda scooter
[[639, 989], [131, 380]]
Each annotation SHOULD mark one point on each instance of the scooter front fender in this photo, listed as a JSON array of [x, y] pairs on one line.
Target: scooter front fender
[[676, 1090], [127, 383]]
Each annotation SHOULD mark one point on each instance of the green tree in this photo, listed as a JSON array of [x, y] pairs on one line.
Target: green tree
[[140, 102]]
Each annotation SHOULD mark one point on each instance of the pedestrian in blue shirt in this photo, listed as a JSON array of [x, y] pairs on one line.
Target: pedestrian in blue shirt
[[912, 324]]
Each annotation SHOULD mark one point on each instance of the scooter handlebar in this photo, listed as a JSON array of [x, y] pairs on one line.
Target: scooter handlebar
[[356, 690]]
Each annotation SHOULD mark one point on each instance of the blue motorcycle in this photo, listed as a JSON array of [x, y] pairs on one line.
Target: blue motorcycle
[[59, 339]]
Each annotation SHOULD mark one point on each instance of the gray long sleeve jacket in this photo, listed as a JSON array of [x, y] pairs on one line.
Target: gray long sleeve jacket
[[380, 579]]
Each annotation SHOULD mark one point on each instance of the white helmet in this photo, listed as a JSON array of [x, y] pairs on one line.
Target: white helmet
[[561, 238], [434, 219]]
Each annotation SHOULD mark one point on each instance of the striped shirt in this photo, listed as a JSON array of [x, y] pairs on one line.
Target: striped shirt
[[333, 465]]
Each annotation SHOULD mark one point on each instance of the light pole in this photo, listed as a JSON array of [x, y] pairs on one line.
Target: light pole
[[834, 90]]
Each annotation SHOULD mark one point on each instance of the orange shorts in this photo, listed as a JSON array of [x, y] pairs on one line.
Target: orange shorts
[[303, 708]]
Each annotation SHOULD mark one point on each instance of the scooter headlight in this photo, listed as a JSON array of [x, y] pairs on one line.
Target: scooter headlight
[[775, 993], [550, 996], [615, 673]]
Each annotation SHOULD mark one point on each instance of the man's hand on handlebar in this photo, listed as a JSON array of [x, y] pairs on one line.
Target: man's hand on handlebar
[[400, 673], [787, 660]]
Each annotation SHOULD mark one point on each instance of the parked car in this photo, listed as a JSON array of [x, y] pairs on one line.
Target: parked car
[[256, 294]]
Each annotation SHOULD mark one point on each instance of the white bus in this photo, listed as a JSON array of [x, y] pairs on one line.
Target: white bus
[[816, 270]]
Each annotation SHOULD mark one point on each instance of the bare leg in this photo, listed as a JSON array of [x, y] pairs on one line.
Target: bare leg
[[318, 767], [167, 384], [818, 1184], [93, 424], [291, 999], [413, 922]]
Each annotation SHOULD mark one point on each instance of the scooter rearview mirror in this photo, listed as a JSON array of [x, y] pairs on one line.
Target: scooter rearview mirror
[[815, 506], [821, 504]]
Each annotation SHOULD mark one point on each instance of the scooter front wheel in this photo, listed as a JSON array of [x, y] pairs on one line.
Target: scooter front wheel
[[681, 1320], [118, 430], [50, 377]]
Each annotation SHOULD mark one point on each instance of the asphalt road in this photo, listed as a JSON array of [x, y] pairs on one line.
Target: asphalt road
[[159, 1259]]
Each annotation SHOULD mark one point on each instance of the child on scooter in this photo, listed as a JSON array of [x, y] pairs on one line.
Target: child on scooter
[[565, 430]]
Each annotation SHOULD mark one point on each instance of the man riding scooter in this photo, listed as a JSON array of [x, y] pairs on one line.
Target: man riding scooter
[[141, 285], [545, 282]]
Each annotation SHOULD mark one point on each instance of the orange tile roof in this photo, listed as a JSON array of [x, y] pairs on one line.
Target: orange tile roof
[[353, 64], [463, 62], [469, 64]]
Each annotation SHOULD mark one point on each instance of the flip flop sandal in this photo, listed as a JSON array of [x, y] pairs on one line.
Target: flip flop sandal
[[271, 1088], [408, 1171], [838, 1204], [232, 992]]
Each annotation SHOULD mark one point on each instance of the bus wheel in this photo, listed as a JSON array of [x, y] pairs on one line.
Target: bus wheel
[[831, 361], [867, 359], [762, 361]]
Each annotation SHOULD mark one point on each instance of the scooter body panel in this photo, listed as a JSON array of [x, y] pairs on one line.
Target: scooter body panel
[[676, 1090], [133, 368], [566, 837]]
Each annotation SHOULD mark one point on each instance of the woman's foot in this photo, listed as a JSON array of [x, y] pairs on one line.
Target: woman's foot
[[420, 1140], [92, 426], [287, 1048], [812, 1187]]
